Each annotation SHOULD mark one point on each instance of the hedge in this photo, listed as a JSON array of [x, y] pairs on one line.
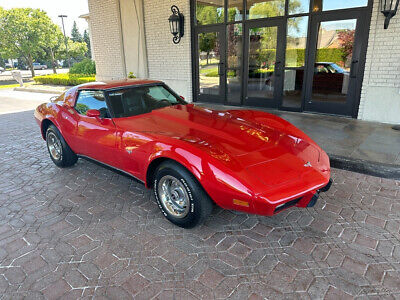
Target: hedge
[[64, 79], [86, 66], [295, 57]]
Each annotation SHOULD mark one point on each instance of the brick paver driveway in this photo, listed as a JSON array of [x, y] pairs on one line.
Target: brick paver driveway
[[87, 231]]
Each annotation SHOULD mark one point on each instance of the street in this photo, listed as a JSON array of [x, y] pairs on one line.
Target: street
[[86, 231], [6, 75], [13, 101]]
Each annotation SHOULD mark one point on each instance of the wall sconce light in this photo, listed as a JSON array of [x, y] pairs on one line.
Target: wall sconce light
[[389, 10], [176, 24]]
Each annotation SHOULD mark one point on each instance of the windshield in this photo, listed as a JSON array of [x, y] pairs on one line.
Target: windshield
[[134, 101], [336, 68]]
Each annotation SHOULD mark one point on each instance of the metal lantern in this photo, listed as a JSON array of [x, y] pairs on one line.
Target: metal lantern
[[389, 9], [176, 23]]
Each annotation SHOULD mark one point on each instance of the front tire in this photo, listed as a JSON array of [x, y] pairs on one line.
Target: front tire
[[179, 196], [60, 153]]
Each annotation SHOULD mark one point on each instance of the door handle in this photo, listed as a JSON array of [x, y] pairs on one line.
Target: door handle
[[220, 69], [353, 70], [277, 68]]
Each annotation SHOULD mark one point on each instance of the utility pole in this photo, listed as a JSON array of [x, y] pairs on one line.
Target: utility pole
[[65, 39]]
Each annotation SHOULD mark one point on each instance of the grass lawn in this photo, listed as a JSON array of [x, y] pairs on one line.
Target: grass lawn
[[211, 61], [9, 86]]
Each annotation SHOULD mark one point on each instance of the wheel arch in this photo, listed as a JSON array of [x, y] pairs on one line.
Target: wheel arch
[[156, 162], [45, 124]]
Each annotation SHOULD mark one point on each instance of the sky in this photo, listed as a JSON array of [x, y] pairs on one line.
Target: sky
[[72, 8]]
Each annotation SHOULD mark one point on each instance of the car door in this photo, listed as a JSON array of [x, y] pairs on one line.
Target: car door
[[96, 135], [129, 112]]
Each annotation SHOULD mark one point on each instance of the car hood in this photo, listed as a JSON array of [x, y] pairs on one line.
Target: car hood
[[242, 140]]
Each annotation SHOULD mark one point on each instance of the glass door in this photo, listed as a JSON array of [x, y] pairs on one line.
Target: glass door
[[211, 64], [335, 66], [264, 63]]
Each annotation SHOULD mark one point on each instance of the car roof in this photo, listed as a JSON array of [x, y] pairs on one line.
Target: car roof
[[112, 84]]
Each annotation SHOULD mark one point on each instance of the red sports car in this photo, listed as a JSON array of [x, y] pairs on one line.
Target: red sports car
[[191, 156]]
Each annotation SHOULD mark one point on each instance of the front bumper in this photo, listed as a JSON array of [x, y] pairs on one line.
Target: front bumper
[[308, 199]]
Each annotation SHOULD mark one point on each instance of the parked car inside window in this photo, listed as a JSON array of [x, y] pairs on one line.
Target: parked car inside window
[[139, 100], [92, 100]]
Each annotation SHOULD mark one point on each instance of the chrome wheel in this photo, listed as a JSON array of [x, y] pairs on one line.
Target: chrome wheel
[[173, 196], [54, 145]]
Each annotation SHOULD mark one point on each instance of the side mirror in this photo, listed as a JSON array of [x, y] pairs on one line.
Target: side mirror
[[53, 98], [94, 113]]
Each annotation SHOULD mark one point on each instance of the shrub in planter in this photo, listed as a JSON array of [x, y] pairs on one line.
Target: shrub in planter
[[64, 79], [86, 66]]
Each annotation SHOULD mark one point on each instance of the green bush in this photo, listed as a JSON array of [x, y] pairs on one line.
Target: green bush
[[64, 79], [86, 66], [296, 57], [213, 72]]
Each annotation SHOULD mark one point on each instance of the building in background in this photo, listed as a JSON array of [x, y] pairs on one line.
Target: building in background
[[323, 56]]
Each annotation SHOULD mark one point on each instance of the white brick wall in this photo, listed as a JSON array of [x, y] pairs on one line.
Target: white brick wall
[[166, 61], [380, 96], [107, 39]]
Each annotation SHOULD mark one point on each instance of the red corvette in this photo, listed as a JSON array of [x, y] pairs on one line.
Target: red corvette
[[191, 156]]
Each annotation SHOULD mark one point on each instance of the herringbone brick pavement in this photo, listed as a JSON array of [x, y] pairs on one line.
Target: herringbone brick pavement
[[89, 232]]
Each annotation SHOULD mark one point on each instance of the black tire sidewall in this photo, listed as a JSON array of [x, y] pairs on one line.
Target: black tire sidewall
[[53, 129], [194, 214], [68, 157]]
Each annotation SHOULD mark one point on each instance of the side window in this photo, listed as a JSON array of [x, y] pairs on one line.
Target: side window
[[92, 100]]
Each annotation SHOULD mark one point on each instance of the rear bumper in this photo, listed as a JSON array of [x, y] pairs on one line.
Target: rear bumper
[[308, 199]]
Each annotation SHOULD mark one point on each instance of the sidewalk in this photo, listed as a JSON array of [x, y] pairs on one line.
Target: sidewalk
[[355, 145], [43, 88]]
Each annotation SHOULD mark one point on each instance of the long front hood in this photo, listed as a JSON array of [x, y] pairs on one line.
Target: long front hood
[[237, 139]]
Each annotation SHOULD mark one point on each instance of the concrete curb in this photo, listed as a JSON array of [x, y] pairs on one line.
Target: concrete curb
[[43, 91], [389, 171]]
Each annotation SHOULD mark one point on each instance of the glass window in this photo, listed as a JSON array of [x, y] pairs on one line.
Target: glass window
[[235, 10], [262, 56], [296, 40], [209, 63], [92, 100], [234, 63], [265, 9], [299, 6], [209, 11], [135, 101], [337, 4], [333, 60]]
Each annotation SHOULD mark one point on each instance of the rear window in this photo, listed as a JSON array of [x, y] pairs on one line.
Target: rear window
[[140, 100]]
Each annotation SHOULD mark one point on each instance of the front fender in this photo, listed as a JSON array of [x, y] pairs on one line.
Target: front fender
[[224, 186]]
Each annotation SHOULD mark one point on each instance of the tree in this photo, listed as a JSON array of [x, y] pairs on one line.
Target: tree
[[207, 42], [23, 34], [76, 50], [346, 41], [207, 14], [86, 39], [55, 39], [75, 34]]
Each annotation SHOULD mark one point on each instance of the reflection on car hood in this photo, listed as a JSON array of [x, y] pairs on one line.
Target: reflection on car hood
[[247, 136]]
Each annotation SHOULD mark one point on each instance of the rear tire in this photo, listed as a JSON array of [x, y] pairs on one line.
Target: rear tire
[[179, 196], [60, 153]]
